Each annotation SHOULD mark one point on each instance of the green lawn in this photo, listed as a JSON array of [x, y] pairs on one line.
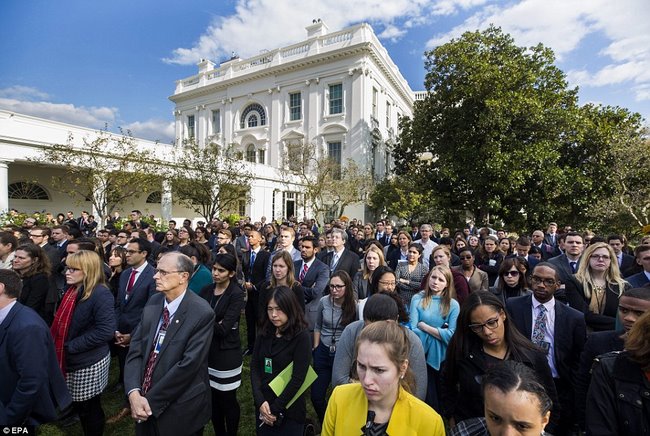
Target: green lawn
[[113, 403]]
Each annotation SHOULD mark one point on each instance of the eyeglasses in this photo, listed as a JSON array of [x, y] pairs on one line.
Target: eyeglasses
[[31, 235], [133, 251], [465, 257], [164, 273], [385, 283], [72, 270], [599, 257], [337, 287], [490, 324], [514, 273], [547, 282]]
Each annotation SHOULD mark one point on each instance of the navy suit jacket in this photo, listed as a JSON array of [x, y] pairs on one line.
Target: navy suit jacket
[[348, 262], [570, 332], [32, 390], [179, 396], [627, 262], [638, 280], [563, 267], [129, 311], [313, 287]]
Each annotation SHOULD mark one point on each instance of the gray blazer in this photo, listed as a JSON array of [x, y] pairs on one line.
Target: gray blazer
[[179, 397], [314, 286]]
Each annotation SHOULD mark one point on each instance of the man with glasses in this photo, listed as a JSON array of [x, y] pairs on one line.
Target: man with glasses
[[558, 329], [40, 235], [122, 238], [426, 232], [166, 373], [136, 286], [340, 258]]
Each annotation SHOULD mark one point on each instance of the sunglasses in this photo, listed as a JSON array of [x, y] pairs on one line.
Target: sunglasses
[[511, 273]]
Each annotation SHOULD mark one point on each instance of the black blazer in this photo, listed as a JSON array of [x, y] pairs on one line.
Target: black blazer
[[227, 312], [258, 272], [129, 311], [33, 390], [348, 262], [35, 293], [627, 262], [575, 296], [570, 332]]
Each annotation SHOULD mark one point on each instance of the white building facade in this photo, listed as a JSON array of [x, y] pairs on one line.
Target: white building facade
[[338, 90]]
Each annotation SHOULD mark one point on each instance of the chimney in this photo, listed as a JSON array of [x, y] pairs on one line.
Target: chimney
[[317, 28]]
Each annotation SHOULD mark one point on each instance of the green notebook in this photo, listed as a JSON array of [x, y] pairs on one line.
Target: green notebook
[[282, 380]]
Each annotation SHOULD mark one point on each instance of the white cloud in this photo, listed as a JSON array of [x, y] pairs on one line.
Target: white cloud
[[93, 117], [20, 92], [564, 25], [153, 129], [268, 24]]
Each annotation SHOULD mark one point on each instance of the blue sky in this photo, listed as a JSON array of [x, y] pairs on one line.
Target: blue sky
[[115, 62]]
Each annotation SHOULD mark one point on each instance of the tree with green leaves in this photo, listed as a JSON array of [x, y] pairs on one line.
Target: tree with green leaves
[[496, 118], [109, 170], [329, 187], [209, 180]]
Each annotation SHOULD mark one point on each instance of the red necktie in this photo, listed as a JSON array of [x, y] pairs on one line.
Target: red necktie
[[151, 362], [303, 273], [131, 282]]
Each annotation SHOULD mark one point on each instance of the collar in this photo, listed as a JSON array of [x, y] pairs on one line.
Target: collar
[[5, 310], [550, 304], [309, 263], [141, 268], [172, 306]]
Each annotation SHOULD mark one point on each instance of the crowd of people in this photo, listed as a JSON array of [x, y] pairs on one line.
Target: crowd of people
[[411, 330]]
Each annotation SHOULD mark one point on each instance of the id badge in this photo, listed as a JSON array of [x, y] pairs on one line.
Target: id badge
[[268, 365], [159, 342], [332, 349], [546, 346]]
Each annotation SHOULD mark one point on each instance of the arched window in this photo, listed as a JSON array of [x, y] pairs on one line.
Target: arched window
[[250, 153], [27, 191], [155, 197], [253, 110]]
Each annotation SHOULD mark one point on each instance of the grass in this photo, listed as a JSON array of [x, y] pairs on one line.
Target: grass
[[112, 404]]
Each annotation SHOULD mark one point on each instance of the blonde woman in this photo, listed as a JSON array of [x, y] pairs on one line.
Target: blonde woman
[[434, 312], [82, 327], [596, 287], [373, 258]]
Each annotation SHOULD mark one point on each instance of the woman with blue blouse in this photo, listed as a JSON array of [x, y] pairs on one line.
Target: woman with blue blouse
[[434, 312]]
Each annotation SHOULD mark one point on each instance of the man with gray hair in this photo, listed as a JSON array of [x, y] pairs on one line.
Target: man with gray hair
[[340, 258], [425, 233], [166, 371]]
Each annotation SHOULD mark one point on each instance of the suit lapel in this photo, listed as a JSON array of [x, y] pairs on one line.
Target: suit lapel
[[527, 313], [7, 321]]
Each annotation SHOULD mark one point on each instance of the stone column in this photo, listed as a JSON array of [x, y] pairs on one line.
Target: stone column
[[4, 186], [166, 201]]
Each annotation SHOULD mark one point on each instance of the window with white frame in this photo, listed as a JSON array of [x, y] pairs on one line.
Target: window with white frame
[[216, 121], [261, 156], [252, 116], [388, 115], [191, 127], [334, 155], [375, 100], [295, 106], [336, 99], [250, 153]]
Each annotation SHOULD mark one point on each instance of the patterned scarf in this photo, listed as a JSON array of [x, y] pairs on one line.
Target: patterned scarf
[[61, 324]]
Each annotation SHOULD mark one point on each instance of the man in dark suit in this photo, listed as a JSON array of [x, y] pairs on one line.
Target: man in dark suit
[[313, 276], [625, 261], [32, 390], [551, 237], [136, 287], [632, 304], [555, 327], [537, 239], [381, 235], [568, 262], [40, 235], [166, 374], [241, 242], [522, 247], [340, 258], [642, 258], [254, 275]]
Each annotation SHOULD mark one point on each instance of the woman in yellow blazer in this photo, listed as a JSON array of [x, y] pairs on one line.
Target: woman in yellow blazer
[[380, 404]]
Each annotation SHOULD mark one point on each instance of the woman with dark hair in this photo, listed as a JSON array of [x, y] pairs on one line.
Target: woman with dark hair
[[596, 287], [202, 235], [230, 249], [185, 236], [200, 256], [433, 318], [400, 254], [618, 401], [381, 403], [489, 258], [372, 259], [226, 298], [410, 275], [505, 245], [335, 312], [515, 403], [512, 280], [484, 337], [384, 280], [117, 264], [283, 340], [83, 325], [393, 244], [459, 244], [477, 280], [33, 266], [170, 242]]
